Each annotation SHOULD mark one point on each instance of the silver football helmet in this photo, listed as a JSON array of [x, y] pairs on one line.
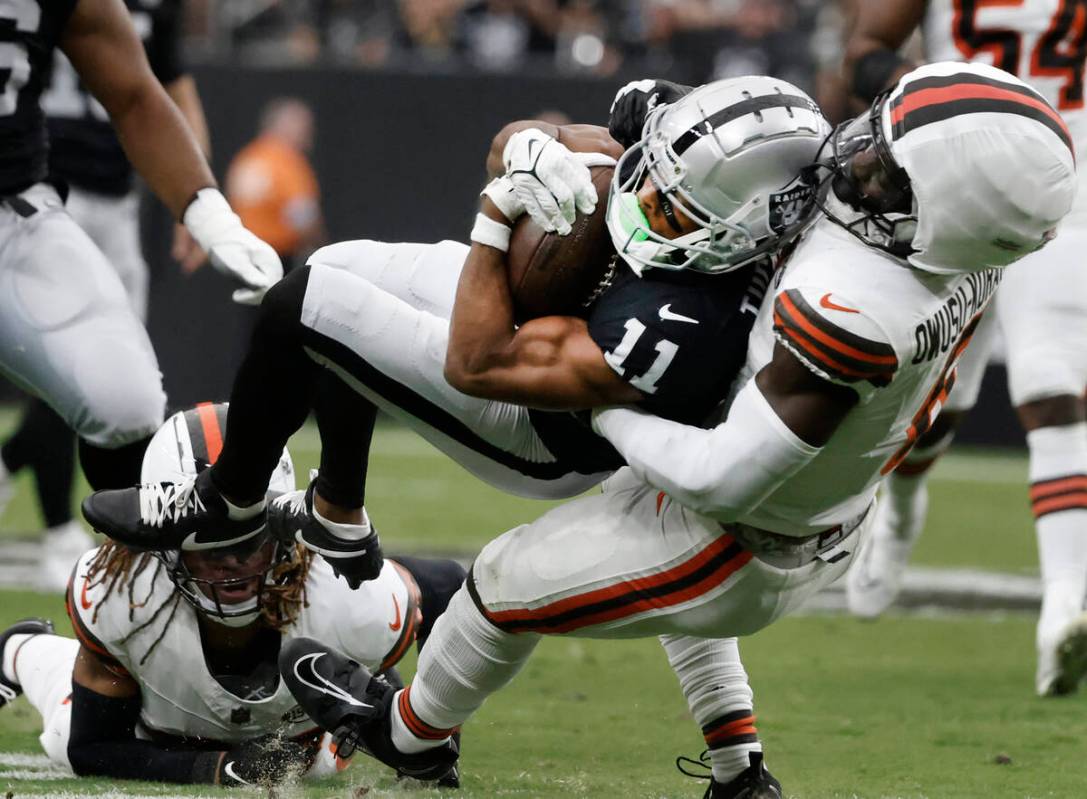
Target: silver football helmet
[[729, 156], [186, 444]]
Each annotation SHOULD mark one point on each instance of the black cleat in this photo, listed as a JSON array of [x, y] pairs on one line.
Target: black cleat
[[191, 515], [8, 689], [290, 518], [754, 782], [344, 698]]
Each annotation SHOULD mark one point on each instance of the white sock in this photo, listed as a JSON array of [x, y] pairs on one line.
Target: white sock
[[465, 660], [10, 648], [345, 532], [42, 666], [242, 512], [903, 507], [719, 696], [1058, 493]]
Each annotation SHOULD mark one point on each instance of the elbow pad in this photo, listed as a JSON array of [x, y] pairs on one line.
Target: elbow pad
[[873, 71]]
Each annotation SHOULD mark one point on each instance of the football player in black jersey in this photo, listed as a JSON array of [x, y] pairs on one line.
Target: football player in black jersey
[[498, 398], [85, 154], [67, 332]]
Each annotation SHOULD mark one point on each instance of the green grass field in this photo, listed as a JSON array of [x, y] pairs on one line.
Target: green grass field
[[909, 706]]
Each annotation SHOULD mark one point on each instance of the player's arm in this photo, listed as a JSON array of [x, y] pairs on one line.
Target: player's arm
[[551, 363], [103, 743], [872, 62], [104, 48], [777, 424]]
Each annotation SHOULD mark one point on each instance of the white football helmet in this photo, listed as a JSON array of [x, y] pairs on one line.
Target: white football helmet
[[959, 168], [186, 444], [729, 156]]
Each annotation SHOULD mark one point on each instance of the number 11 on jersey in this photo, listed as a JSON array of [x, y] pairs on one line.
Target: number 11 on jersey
[[666, 352]]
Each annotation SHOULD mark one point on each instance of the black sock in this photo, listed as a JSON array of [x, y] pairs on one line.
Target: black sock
[[272, 394], [346, 422], [45, 443], [112, 468]]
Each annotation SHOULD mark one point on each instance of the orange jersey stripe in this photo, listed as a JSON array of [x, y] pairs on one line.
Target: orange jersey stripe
[[818, 356], [841, 347]]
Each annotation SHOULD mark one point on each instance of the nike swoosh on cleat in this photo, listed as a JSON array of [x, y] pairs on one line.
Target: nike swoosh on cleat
[[668, 315], [397, 623], [833, 306], [321, 684], [228, 769], [192, 542]]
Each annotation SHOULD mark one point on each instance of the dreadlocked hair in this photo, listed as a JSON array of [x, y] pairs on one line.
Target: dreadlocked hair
[[118, 568]]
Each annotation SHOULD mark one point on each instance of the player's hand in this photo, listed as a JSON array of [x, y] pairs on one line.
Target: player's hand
[[551, 184], [231, 248], [267, 760], [633, 103], [186, 251]]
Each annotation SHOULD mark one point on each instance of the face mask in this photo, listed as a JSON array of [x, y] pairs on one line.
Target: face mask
[[632, 220]]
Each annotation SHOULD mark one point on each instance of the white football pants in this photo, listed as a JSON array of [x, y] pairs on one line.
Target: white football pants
[[387, 307], [67, 331]]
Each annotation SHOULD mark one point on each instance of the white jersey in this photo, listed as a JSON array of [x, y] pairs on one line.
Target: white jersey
[[1043, 42], [893, 333], [374, 624]]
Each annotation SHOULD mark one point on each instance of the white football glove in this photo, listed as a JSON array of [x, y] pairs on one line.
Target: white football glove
[[551, 184], [231, 248]]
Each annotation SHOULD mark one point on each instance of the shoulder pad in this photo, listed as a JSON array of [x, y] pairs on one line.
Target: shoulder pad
[[834, 337]]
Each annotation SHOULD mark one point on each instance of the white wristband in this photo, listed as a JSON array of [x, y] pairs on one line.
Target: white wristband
[[491, 233]]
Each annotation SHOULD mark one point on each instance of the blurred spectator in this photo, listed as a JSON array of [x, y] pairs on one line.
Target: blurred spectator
[[271, 184]]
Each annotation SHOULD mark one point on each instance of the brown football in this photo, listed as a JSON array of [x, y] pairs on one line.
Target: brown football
[[551, 274]]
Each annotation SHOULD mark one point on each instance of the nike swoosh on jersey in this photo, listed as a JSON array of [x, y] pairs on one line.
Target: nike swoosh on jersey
[[312, 679], [397, 623], [86, 603], [668, 315], [833, 306], [192, 542], [228, 769]]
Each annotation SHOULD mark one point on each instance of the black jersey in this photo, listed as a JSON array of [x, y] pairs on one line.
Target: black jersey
[[678, 337], [84, 150], [29, 32]]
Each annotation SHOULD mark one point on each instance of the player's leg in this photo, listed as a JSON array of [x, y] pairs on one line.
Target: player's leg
[[875, 580], [719, 697], [629, 559], [39, 664], [68, 336], [1044, 319]]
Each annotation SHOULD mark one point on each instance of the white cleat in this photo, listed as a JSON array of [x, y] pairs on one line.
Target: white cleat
[[875, 579], [1063, 665], [61, 548]]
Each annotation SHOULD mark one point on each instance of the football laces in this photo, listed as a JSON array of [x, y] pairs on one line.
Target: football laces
[[160, 502]]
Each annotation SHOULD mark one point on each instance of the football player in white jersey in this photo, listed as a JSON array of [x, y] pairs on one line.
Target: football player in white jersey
[[717, 532], [172, 676], [1041, 309]]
